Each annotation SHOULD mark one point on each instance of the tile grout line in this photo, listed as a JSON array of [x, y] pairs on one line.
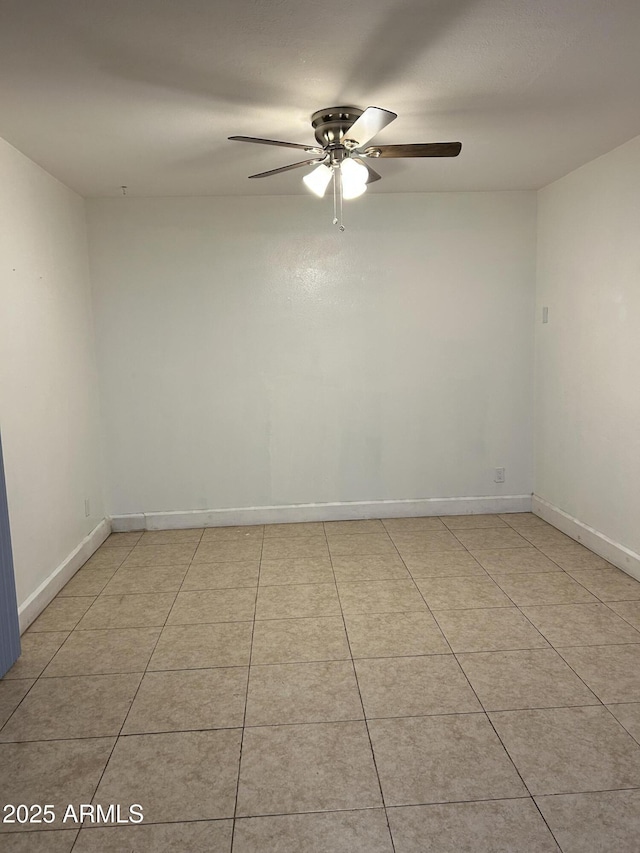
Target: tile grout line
[[599, 703], [507, 753], [492, 579], [490, 721], [531, 797], [485, 713], [119, 735], [41, 674], [343, 811], [355, 675], [6, 722], [480, 711], [555, 648], [573, 541], [434, 610], [117, 738], [568, 604], [246, 697], [619, 615], [551, 644], [602, 704]]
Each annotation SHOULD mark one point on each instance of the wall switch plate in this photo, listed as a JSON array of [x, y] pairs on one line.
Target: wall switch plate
[[499, 478], [545, 314], [87, 507]]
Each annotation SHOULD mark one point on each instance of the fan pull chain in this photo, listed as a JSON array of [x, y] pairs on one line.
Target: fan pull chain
[[337, 197]]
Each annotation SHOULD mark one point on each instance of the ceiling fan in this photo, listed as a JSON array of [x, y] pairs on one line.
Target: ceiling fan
[[342, 134]]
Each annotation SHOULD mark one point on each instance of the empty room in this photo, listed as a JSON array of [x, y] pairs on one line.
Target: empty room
[[319, 426]]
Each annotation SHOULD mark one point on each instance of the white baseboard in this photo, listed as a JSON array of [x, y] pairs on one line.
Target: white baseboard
[[591, 538], [30, 609], [320, 512], [127, 523]]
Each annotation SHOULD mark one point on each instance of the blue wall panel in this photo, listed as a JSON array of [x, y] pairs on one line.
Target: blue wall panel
[[9, 626]]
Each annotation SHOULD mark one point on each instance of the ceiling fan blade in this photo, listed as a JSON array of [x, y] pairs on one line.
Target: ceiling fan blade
[[427, 149], [310, 148], [373, 175], [287, 168], [372, 120]]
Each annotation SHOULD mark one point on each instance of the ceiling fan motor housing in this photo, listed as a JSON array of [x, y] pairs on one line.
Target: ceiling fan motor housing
[[331, 125]]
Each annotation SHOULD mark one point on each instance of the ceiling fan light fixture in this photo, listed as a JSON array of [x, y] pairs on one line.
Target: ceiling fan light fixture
[[318, 180], [342, 134], [354, 178], [352, 189]]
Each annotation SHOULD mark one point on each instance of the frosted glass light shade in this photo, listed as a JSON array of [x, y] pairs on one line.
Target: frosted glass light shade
[[318, 180], [352, 190], [354, 178]]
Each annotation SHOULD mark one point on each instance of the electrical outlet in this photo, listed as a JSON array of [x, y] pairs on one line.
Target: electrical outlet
[[87, 507], [499, 478]]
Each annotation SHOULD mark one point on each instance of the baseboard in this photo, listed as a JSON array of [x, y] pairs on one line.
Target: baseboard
[[128, 523], [30, 609], [591, 538], [320, 512]]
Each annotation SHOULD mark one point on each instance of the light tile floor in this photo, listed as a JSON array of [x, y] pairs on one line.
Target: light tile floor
[[414, 685]]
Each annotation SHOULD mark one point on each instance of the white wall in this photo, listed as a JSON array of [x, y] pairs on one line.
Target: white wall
[[587, 425], [48, 394], [251, 355]]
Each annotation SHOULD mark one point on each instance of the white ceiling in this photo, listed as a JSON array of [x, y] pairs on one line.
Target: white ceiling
[[144, 92]]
